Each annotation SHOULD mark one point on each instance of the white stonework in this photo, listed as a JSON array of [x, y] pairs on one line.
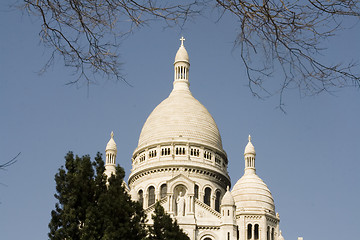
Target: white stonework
[[180, 162], [110, 153]]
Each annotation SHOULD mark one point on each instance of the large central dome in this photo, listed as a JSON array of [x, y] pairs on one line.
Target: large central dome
[[180, 116], [180, 138]]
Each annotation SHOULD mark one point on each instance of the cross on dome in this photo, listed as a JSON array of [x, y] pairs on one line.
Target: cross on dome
[[249, 138], [112, 134], [182, 39]]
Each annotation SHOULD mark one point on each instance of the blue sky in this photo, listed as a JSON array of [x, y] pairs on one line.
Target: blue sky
[[309, 157]]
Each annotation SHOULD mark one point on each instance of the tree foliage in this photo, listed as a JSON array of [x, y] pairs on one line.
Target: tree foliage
[[164, 227], [88, 208], [272, 34]]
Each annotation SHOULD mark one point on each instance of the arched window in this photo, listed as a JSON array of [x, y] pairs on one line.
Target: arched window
[[141, 197], [163, 190], [217, 201], [151, 195], [196, 191], [207, 196], [228, 236], [249, 231], [256, 231], [268, 233], [272, 234]]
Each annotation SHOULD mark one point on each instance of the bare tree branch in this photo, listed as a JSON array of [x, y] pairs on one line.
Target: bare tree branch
[[289, 35], [3, 166], [273, 34], [87, 34]]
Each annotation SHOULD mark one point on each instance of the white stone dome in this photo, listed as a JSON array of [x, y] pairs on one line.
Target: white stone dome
[[111, 145], [249, 149], [251, 194], [182, 55], [180, 117], [228, 199]]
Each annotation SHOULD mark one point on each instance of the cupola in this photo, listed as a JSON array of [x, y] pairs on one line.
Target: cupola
[[228, 199], [249, 155], [110, 151], [250, 192]]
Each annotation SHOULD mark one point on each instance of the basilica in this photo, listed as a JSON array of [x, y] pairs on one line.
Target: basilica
[[180, 162]]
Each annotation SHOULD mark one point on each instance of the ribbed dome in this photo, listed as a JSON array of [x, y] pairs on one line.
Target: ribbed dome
[[180, 116], [228, 199], [251, 193], [111, 145]]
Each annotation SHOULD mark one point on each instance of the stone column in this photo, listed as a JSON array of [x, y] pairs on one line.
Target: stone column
[[212, 202], [157, 195], [171, 209], [263, 228], [145, 200]]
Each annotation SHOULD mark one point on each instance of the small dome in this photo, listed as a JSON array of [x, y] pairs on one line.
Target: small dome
[[249, 149], [251, 194], [111, 145], [228, 199], [182, 55]]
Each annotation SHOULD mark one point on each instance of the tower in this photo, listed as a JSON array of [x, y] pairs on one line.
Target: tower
[[255, 208], [110, 152], [228, 217], [180, 160]]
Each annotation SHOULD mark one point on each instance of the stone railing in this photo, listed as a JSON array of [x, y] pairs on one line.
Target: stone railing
[[213, 211]]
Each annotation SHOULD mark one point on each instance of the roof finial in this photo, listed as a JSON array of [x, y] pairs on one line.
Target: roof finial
[[112, 134], [249, 138], [182, 39], [227, 188]]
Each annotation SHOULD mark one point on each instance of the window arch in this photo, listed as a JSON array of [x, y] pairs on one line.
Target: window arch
[[207, 196], [272, 234], [217, 201], [163, 190], [249, 231], [141, 197], [151, 195], [268, 233], [256, 231]]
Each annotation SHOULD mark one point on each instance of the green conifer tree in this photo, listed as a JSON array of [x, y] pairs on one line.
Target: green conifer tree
[[89, 208], [164, 227]]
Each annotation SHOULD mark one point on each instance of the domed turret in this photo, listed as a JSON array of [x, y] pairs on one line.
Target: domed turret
[[250, 192], [111, 145], [228, 219], [228, 199], [182, 55], [249, 149], [110, 151]]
